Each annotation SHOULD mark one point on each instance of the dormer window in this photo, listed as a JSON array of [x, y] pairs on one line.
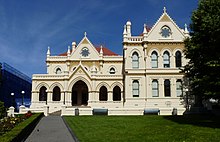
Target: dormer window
[[58, 71], [165, 32], [112, 71]]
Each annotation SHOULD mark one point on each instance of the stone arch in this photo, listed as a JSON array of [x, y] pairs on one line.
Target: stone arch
[[55, 69], [78, 79], [168, 50], [56, 84], [152, 50], [41, 85], [102, 84], [135, 50], [117, 84]]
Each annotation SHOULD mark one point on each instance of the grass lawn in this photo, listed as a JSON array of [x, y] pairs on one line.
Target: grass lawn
[[145, 128]]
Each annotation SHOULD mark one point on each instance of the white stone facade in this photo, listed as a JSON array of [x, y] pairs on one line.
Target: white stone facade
[[146, 76]]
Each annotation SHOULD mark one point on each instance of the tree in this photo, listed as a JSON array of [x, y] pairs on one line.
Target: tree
[[203, 51]]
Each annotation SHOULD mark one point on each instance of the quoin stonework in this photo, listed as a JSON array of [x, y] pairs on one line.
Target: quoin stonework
[[147, 76]]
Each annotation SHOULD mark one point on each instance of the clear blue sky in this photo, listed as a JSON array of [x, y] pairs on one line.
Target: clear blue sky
[[28, 27]]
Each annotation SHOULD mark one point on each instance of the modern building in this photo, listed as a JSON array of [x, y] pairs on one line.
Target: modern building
[[13, 82], [147, 75]]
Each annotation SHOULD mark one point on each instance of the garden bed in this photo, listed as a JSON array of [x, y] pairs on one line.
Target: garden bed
[[20, 131]]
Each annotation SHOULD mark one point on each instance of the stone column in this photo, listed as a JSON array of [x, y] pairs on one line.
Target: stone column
[[49, 97], [172, 61], [173, 87], [161, 87], [160, 61], [110, 96]]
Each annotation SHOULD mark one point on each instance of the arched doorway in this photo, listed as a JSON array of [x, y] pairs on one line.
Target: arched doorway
[[79, 94]]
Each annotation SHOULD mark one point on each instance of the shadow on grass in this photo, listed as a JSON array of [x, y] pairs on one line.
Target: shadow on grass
[[210, 121]]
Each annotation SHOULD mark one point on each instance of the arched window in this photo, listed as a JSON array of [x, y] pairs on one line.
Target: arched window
[[135, 88], [58, 71], [43, 94], [166, 59], [167, 88], [135, 60], [103, 94], [178, 57], [56, 94], [112, 71], [117, 93], [155, 92], [179, 88], [154, 60]]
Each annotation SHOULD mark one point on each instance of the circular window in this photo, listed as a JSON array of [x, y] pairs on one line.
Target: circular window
[[165, 32], [85, 52]]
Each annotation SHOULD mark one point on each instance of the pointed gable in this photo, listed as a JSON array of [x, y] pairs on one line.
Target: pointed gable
[[85, 50], [165, 29]]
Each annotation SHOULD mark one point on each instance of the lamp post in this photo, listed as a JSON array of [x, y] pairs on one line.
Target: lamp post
[[22, 93], [12, 96]]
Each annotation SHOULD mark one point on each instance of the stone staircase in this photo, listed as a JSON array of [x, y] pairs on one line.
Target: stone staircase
[[56, 113]]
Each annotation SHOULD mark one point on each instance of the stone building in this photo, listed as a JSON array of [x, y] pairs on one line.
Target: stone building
[[146, 76]]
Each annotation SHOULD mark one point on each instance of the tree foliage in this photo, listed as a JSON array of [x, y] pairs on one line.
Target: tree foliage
[[203, 50]]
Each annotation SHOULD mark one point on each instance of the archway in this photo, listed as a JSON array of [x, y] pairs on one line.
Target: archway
[[80, 94]]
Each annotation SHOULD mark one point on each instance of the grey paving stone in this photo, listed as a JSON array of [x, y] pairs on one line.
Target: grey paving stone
[[50, 129]]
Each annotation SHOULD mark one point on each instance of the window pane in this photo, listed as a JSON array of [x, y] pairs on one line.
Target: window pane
[[135, 88], [167, 88], [178, 88]]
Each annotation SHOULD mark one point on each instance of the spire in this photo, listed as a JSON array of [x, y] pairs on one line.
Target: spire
[[145, 29], [68, 51], [186, 29], [73, 46], [164, 10], [48, 51], [145, 33], [101, 51], [128, 27]]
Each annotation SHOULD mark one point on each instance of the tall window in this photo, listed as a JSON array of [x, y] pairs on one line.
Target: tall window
[[154, 60], [117, 93], [103, 94], [179, 88], [166, 59], [56, 94], [178, 57], [135, 88], [58, 71], [167, 88], [135, 60], [43, 94], [155, 92]]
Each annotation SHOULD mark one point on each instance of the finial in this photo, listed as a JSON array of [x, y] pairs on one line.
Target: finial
[[186, 29], [85, 34], [164, 10], [101, 51], [68, 51], [145, 29], [48, 51]]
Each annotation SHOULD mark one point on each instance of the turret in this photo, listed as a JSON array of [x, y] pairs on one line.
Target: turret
[[73, 46], [186, 32], [145, 33], [128, 27]]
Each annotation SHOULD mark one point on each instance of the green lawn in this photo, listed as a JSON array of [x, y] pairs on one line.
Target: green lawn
[[145, 128]]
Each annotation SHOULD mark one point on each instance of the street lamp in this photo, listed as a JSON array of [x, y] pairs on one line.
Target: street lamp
[[22, 93], [64, 98], [12, 96]]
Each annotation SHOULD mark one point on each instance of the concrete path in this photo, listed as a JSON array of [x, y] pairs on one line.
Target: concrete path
[[50, 129]]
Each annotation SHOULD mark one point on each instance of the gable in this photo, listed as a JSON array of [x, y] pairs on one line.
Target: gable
[[80, 70], [163, 26], [85, 50]]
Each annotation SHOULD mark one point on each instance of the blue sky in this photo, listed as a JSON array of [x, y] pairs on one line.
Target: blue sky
[[28, 27]]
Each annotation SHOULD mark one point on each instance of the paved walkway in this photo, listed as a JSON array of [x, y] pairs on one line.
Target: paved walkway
[[50, 129]]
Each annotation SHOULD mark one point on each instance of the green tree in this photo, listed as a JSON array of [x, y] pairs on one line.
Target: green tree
[[203, 51]]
